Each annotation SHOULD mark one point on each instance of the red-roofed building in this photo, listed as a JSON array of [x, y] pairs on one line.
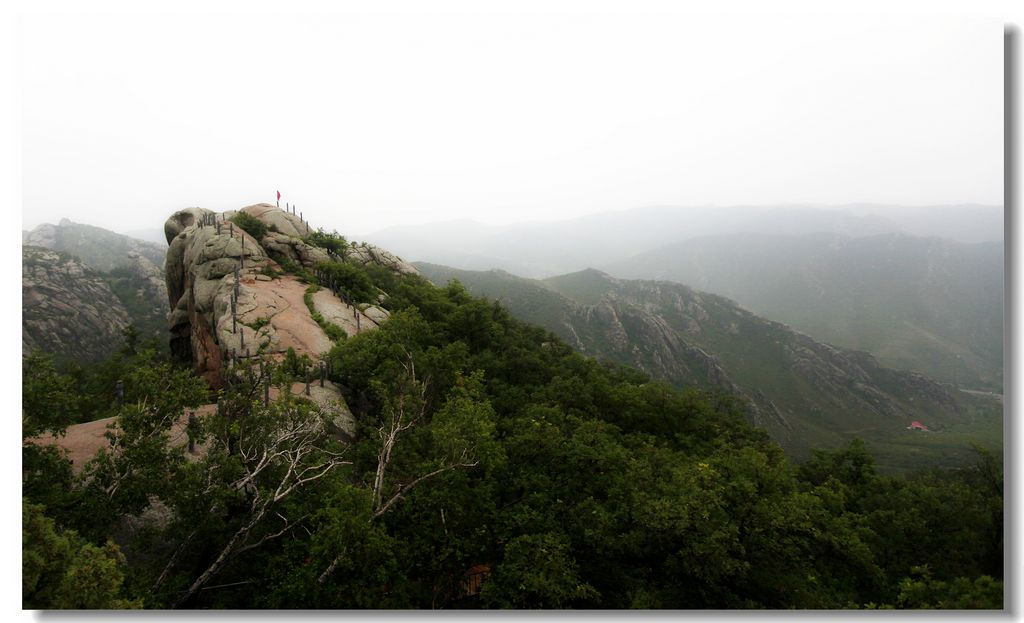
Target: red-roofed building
[[915, 425]]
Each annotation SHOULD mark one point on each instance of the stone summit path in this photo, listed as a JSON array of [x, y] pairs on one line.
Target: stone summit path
[[281, 301], [83, 441]]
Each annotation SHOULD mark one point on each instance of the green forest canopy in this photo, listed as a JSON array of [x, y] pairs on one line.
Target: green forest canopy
[[483, 444]]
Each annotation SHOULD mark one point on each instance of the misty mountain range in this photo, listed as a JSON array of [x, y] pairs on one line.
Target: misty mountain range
[[919, 287], [926, 304], [544, 249]]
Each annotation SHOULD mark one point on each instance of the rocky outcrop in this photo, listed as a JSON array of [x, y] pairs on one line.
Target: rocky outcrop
[[133, 270], [227, 298], [364, 253], [294, 249], [199, 258], [277, 220], [67, 307]]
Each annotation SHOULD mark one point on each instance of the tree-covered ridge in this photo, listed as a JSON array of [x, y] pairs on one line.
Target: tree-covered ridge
[[805, 393], [492, 467]]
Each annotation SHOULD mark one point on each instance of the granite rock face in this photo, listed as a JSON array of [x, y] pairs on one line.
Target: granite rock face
[[67, 307], [364, 253], [228, 300], [199, 257], [132, 269]]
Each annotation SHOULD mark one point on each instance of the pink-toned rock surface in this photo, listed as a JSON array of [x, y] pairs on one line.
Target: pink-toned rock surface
[[286, 223], [278, 304], [344, 315], [271, 315], [83, 441]]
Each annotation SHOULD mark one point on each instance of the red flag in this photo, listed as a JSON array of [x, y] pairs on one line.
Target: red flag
[[279, 195]]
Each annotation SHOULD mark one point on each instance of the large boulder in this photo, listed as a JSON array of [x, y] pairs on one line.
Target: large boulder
[[364, 253], [199, 256], [279, 221], [294, 249], [352, 318]]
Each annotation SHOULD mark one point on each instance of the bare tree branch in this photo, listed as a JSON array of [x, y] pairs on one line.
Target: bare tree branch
[[290, 447], [402, 490]]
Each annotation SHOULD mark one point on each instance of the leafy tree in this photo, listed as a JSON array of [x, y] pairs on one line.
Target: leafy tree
[[351, 279], [921, 591], [62, 571], [48, 398], [140, 461], [538, 572], [334, 243], [252, 225], [262, 460]]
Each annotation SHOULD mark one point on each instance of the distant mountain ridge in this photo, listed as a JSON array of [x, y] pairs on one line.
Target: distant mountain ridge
[[543, 249], [100, 248], [67, 307], [927, 304], [133, 289], [804, 392]]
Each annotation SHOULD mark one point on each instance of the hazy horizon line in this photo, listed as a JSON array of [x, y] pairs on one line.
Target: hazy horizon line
[[564, 219]]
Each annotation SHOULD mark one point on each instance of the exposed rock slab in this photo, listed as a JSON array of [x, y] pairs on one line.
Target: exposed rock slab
[[280, 305], [345, 315], [294, 249], [284, 222], [82, 441], [364, 253]]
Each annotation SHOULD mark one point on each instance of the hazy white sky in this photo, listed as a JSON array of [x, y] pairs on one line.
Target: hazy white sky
[[370, 120]]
